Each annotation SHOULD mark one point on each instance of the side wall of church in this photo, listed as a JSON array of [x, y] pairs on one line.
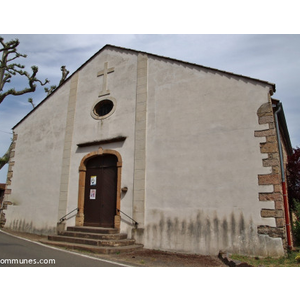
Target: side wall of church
[[203, 162], [34, 182]]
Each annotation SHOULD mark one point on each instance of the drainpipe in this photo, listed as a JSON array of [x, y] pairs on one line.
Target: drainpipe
[[284, 190]]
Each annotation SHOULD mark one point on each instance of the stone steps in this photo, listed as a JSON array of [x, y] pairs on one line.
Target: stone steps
[[93, 249], [97, 236], [93, 229], [93, 239], [90, 241]]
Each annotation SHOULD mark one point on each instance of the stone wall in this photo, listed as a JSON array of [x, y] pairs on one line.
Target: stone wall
[[270, 147]]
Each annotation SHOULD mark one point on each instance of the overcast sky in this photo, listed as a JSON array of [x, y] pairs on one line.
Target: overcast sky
[[273, 58]]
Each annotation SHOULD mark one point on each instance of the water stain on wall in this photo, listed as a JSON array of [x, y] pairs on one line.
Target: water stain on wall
[[225, 233], [232, 219], [23, 226], [203, 233]]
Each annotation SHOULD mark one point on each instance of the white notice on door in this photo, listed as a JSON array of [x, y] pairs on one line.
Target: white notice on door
[[93, 194], [93, 180]]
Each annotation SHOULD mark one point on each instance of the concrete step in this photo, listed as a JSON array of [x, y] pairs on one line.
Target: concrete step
[[93, 239], [91, 248], [93, 229], [94, 242], [96, 236]]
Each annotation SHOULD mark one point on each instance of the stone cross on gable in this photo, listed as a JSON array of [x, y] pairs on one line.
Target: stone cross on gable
[[104, 73]]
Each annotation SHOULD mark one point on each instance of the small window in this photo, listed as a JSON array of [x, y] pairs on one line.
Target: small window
[[103, 109]]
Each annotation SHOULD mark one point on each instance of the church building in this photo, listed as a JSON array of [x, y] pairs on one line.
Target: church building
[[177, 156]]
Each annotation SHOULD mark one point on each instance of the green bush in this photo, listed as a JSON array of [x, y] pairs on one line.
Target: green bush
[[296, 223]]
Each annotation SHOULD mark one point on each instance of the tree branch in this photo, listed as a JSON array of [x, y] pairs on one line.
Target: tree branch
[[13, 44], [5, 158], [32, 79], [8, 70]]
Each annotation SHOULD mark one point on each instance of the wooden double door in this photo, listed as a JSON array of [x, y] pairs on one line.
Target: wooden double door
[[100, 191]]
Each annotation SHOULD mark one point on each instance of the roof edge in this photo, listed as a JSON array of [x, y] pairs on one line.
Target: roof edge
[[194, 64]]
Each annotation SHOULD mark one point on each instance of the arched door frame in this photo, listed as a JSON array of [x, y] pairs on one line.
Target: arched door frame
[[81, 185]]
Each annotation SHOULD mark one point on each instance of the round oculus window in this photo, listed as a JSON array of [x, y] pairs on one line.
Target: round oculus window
[[103, 109]]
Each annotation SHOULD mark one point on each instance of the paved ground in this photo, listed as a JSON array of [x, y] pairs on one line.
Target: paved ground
[[18, 252], [143, 257]]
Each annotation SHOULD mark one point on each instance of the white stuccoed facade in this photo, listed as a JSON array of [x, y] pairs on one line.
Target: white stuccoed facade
[[185, 134]]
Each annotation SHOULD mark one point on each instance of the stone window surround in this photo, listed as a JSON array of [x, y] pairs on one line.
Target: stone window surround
[[96, 116]]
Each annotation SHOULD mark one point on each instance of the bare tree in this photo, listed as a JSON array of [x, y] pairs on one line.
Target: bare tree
[[50, 90], [30, 100], [9, 69], [64, 74], [5, 158]]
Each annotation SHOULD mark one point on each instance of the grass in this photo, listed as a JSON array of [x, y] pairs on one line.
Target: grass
[[289, 260]]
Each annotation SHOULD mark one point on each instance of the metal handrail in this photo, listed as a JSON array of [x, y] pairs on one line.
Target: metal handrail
[[135, 222], [64, 217]]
